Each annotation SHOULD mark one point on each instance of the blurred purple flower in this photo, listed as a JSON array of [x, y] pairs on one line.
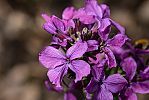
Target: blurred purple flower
[[130, 66], [103, 89]]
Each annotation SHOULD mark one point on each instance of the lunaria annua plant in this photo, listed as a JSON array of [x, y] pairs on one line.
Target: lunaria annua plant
[[86, 60]]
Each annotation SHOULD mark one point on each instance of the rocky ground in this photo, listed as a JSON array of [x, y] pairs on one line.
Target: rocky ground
[[22, 38]]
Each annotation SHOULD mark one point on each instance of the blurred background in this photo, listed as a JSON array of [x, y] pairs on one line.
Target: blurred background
[[22, 38]]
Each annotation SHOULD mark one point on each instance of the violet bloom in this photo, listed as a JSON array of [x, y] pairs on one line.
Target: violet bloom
[[129, 93], [58, 63], [54, 25], [108, 46], [103, 89], [58, 28], [70, 13], [102, 15]]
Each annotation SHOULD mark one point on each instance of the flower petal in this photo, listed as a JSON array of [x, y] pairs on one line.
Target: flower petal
[[92, 86], [69, 96], [140, 51], [51, 57], [100, 59], [58, 23], [104, 94], [118, 26], [129, 65], [141, 87], [133, 96], [97, 71], [49, 27], [58, 41], [77, 50], [92, 8], [81, 69], [110, 58], [83, 17], [68, 13], [104, 28], [53, 23], [145, 74], [117, 41], [105, 10], [69, 24], [115, 83], [55, 75], [46, 17], [92, 45], [129, 94]]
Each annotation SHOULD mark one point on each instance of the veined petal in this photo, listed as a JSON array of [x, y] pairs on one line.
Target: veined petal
[[110, 57], [105, 10], [58, 23], [81, 69], [92, 45], [68, 13], [129, 65], [49, 27], [69, 96], [117, 41], [93, 86], [141, 87], [55, 75], [51, 57], [69, 24], [104, 94], [77, 50], [97, 71], [92, 8], [83, 17], [115, 83], [104, 28], [53, 23]]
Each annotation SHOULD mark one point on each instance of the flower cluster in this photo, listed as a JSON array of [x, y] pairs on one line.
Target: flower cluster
[[87, 59]]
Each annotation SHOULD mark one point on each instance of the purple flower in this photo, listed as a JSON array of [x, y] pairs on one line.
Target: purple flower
[[102, 14], [58, 28], [103, 89], [53, 24], [70, 13], [107, 47], [130, 66], [58, 63], [83, 46]]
